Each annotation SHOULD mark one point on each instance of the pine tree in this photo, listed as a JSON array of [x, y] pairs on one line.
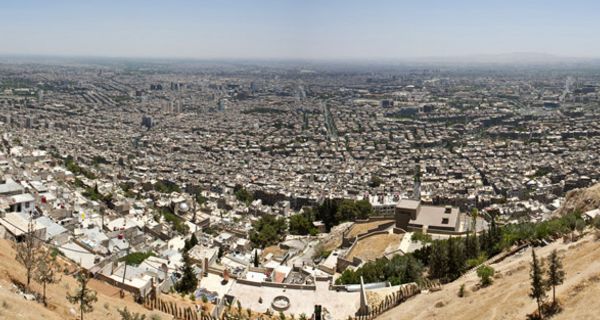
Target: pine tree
[[45, 274], [220, 253], [410, 272], [83, 296], [188, 282], [456, 259], [438, 260], [556, 274], [256, 259], [538, 291]]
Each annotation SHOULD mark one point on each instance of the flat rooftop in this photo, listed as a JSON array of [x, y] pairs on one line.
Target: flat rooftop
[[436, 217], [408, 204]]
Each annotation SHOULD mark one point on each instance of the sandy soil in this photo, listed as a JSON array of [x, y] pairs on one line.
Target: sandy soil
[[13, 306], [508, 297], [275, 250], [375, 246]]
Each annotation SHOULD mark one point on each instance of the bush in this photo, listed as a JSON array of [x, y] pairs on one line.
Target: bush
[[485, 274], [420, 236]]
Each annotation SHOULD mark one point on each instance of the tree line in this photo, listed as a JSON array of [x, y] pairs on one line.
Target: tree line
[[335, 211], [448, 259]]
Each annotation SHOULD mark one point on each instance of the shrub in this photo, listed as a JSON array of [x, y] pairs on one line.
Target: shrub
[[485, 274], [461, 291]]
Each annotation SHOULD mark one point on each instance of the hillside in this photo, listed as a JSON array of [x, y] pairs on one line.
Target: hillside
[[14, 306], [507, 298], [581, 200]]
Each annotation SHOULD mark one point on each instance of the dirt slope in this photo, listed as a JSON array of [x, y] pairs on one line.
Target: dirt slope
[[508, 297], [14, 306], [581, 200]]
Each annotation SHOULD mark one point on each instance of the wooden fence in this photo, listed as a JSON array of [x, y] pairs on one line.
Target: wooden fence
[[180, 313], [392, 300]]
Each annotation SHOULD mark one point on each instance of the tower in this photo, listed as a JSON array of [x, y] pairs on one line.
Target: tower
[[417, 183]]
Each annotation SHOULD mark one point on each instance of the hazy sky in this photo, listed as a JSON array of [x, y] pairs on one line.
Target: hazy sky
[[336, 29]]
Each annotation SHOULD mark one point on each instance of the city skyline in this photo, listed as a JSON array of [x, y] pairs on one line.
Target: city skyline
[[333, 30]]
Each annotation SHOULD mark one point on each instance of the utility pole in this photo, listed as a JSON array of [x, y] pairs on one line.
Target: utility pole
[[102, 214], [124, 272]]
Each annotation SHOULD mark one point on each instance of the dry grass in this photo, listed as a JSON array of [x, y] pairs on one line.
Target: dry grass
[[13, 306], [374, 247], [508, 297], [275, 250], [581, 200], [359, 228]]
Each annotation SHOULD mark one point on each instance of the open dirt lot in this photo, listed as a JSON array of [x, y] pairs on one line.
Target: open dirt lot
[[375, 246], [359, 228]]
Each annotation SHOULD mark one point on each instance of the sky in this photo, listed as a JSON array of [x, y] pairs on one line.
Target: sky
[[301, 29]]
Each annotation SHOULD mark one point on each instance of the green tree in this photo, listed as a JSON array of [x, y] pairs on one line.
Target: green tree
[[375, 181], [456, 258], [365, 209], [189, 244], [45, 274], [538, 291], [84, 297], [347, 210], [268, 230], [220, 253], [485, 274], [243, 195], [556, 274], [438, 260], [411, 271], [188, 282], [301, 225], [256, 261]]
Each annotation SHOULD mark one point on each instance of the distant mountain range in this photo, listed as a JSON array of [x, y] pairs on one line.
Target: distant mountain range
[[529, 58]]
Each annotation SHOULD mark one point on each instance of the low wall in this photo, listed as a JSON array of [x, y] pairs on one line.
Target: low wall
[[346, 242], [135, 291], [292, 286]]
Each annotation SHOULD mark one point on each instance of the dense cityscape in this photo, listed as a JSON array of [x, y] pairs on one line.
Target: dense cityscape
[[283, 160], [253, 179]]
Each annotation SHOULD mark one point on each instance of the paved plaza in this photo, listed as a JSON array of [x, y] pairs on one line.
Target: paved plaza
[[341, 304]]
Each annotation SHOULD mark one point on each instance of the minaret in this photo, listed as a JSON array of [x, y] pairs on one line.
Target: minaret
[[364, 304], [417, 184]]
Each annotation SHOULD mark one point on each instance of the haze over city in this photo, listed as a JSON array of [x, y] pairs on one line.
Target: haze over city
[[338, 29], [283, 160]]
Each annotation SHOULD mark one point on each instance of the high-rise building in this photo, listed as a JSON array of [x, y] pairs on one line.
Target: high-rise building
[[147, 121]]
